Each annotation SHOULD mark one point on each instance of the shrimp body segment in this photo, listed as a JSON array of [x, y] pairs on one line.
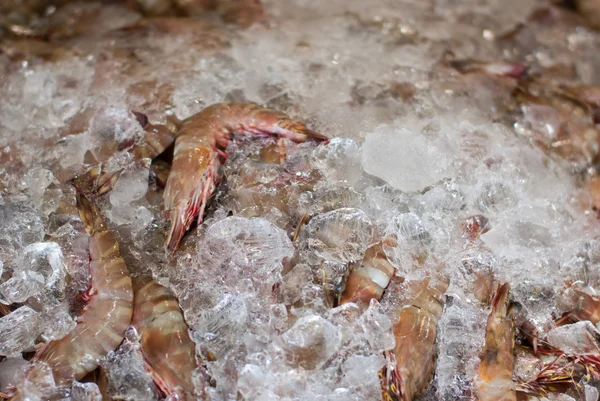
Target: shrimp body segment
[[166, 344], [494, 380], [201, 139], [415, 330], [369, 280], [101, 326]]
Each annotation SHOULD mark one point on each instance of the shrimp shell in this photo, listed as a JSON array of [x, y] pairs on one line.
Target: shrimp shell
[[202, 138], [166, 344], [101, 326]]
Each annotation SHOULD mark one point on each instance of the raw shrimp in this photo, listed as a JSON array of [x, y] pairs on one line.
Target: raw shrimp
[[415, 329], [369, 279], [580, 304], [102, 325], [494, 375], [166, 344], [201, 139]]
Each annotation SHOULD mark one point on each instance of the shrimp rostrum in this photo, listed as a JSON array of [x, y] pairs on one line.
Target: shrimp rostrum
[[200, 151]]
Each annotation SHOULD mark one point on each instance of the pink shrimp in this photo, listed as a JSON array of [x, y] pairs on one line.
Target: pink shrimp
[[166, 344], [415, 330], [494, 379], [102, 325], [202, 138]]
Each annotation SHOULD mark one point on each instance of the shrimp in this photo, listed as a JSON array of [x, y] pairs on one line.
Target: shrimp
[[412, 361], [102, 325], [494, 375], [580, 304], [166, 344], [370, 278], [202, 138]]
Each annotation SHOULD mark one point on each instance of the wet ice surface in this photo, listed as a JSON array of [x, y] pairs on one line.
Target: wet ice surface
[[418, 149]]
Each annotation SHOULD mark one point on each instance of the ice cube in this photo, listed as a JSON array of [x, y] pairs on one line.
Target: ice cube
[[339, 161], [255, 245], [39, 268], [44, 261], [375, 327], [35, 182], [342, 235], [251, 381], [85, 392], [577, 338], [310, 342], [131, 186], [362, 371], [11, 372], [19, 330], [404, 159], [20, 224], [220, 329], [126, 372], [412, 239]]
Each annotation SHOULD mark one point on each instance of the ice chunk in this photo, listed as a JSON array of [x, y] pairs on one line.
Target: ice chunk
[[131, 186], [35, 182], [220, 329], [57, 321], [577, 338], [39, 268], [251, 380], [496, 196], [11, 371], [591, 393], [20, 224], [245, 248], [18, 331], [412, 239], [342, 235], [126, 373], [404, 159], [461, 333], [39, 385], [339, 161], [85, 392], [310, 342], [362, 371], [375, 327]]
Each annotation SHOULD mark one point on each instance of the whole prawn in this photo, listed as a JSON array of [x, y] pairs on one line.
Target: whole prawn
[[415, 329], [166, 345], [494, 380], [101, 326], [201, 139]]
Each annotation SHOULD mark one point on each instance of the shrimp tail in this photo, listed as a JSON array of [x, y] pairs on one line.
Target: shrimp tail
[[183, 215], [500, 304], [95, 182], [89, 215]]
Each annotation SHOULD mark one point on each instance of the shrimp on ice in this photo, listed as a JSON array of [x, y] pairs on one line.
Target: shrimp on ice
[[369, 279], [166, 345], [494, 380], [579, 304], [101, 326], [411, 363], [201, 139]]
